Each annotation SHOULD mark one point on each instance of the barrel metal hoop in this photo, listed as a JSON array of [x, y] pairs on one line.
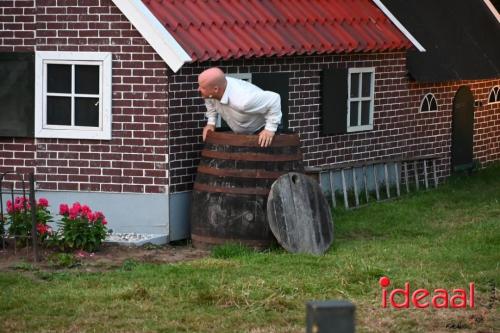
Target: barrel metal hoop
[[219, 241], [230, 190], [240, 173], [259, 157]]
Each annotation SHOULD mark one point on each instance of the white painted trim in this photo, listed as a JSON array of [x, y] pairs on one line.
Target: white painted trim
[[103, 59], [398, 24], [496, 93], [241, 76], [493, 9], [154, 32], [428, 100], [360, 99]]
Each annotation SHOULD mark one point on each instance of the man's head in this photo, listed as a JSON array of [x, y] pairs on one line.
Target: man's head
[[212, 83]]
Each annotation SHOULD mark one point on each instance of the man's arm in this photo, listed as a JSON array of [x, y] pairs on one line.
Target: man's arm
[[211, 116], [269, 104]]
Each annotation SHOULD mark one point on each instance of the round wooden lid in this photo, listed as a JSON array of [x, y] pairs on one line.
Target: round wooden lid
[[299, 215]]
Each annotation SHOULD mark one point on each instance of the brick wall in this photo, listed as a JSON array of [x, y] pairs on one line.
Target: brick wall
[[135, 160], [399, 129]]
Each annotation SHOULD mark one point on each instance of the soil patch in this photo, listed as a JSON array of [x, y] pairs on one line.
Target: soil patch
[[108, 257]]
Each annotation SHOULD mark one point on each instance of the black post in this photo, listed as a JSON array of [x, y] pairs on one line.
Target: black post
[[330, 317], [33, 216]]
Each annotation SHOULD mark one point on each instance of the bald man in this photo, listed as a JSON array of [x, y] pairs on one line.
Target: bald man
[[246, 108]]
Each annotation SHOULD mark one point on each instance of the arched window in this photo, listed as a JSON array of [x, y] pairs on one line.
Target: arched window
[[428, 103], [494, 96]]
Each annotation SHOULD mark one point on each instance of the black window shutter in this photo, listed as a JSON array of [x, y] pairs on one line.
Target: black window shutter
[[17, 94], [279, 83], [334, 101]]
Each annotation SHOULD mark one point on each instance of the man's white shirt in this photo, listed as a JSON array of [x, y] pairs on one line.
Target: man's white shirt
[[245, 107]]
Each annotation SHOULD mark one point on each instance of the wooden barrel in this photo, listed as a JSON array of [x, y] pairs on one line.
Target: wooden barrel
[[232, 185]]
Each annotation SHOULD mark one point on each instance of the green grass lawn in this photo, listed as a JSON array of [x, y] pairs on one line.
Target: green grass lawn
[[443, 238]]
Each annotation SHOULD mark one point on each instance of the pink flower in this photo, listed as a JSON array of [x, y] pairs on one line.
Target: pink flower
[[42, 228], [86, 209], [73, 213], [77, 207], [10, 207], [63, 209], [90, 217], [42, 202], [104, 222]]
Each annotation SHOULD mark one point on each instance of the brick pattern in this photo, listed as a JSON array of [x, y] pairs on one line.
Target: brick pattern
[[400, 130], [136, 159], [17, 25], [144, 134]]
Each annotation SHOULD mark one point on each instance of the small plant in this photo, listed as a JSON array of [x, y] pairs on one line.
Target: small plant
[[230, 250], [23, 266], [80, 228], [64, 260], [19, 219], [129, 264]]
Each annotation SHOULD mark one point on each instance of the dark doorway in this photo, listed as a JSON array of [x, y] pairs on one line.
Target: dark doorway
[[462, 130]]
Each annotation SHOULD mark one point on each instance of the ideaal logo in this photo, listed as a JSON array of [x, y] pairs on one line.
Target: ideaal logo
[[420, 298]]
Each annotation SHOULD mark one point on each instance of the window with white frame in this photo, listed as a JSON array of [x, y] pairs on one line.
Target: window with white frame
[[361, 92], [73, 95], [494, 96], [428, 103]]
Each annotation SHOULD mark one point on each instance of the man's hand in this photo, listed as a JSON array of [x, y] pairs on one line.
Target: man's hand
[[206, 129], [265, 138]]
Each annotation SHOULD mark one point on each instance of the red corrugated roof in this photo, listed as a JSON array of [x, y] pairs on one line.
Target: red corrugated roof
[[225, 29]]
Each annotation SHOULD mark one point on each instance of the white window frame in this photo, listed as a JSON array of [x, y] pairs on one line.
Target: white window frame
[[360, 99], [495, 93], [103, 60], [241, 76], [428, 97]]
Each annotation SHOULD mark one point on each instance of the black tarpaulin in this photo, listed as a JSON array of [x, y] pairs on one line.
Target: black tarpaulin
[[461, 38]]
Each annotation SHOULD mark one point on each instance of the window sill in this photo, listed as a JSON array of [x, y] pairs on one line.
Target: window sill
[[73, 134]]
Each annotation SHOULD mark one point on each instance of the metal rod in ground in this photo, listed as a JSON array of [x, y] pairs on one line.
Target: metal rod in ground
[[332, 189], [376, 182], [33, 217], [346, 201], [330, 317], [425, 175], [365, 181], [354, 181], [406, 178], [386, 174], [396, 173], [416, 174], [435, 173]]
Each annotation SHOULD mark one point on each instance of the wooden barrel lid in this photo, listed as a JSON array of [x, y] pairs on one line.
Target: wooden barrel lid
[[299, 215]]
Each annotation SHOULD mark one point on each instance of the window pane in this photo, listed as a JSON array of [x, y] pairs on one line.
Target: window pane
[[425, 105], [355, 85], [58, 78], [353, 121], [366, 84], [365, 113], [87, 112], [86, 79], [433, 106], [58, 110]]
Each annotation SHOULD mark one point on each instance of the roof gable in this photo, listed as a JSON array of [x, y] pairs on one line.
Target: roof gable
[[154, 33], [228, 29], [461, 39]]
